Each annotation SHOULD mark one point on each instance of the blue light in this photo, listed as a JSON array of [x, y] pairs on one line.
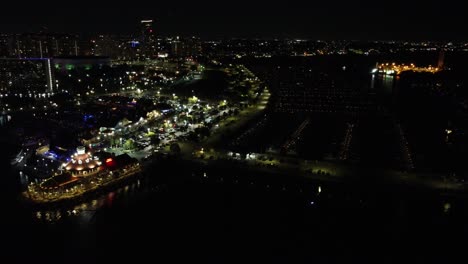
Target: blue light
[[50, 153], [134, 43], [86, 117]]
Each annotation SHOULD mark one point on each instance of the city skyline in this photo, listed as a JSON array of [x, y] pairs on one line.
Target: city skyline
[[361, 20], [276, 132]]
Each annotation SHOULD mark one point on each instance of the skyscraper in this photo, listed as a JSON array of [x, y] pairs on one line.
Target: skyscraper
[[185, 47], [147, 33], [26, 76], [148, 39], [43, 45]]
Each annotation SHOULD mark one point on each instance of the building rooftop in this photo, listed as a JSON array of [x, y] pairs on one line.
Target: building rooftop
[[82, 162], [59, 181]]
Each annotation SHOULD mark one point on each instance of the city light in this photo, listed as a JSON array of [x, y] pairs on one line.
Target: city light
[[102, 129], [394, 68]]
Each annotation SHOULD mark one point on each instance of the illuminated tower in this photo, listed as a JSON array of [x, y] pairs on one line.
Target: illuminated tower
[[148, 38], [147, 33], [440, 61]]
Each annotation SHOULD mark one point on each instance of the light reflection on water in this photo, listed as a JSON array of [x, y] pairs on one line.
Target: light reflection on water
[[243, 204], [84, 211], [314, 194], [88, 207]]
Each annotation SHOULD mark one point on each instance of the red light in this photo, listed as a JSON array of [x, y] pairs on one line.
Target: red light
[[109, 160], [151, 31]]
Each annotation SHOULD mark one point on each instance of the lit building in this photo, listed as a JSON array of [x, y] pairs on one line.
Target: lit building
[[117, 47], [26, 76], [44, 45], [148, 39], [147, 33], [4, 118], [190, 47], [82, 164], [106, 45], [80, 62], [177, 48]]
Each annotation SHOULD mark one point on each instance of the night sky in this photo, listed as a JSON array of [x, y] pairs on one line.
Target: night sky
[[330, 20]]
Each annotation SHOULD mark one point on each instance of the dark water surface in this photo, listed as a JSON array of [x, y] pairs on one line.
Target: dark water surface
[[238, 217]]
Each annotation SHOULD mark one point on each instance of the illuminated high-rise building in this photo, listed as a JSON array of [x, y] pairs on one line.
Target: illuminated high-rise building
[[147, 32], [188, 47], [148, 39], [106, 45], [44, 45], [26, 76]]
